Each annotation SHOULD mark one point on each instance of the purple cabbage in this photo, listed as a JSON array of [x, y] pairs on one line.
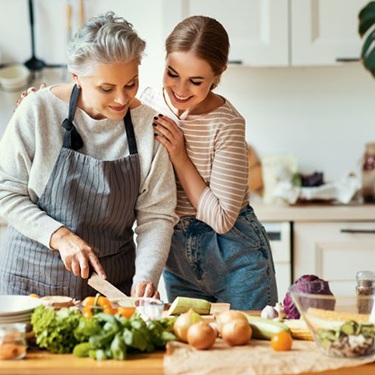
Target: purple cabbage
[[308, 284]]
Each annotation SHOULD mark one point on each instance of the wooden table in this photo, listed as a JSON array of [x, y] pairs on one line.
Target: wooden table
[[44, 363]]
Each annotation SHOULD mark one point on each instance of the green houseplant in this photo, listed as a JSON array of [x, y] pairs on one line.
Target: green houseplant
[[366, 29]]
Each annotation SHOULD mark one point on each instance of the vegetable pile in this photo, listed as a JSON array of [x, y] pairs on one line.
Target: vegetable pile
[[102, 336]]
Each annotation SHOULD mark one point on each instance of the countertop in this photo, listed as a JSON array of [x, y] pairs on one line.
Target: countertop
[[315, 212], [311, 213], [44, 363]]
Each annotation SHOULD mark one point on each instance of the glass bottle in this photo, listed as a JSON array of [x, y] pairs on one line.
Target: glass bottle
[[368, 173], [365, 288]]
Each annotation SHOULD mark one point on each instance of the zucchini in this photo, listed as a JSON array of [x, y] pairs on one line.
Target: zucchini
[[263, 328]]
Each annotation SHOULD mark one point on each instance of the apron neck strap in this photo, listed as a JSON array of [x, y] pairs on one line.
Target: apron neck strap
[[72, 139], [130, 133]]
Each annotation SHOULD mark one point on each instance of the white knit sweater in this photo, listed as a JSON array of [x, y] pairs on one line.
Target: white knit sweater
[[29, 149]]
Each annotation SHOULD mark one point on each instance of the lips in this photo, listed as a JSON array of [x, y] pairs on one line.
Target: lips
[[119, 109], [181, 99]]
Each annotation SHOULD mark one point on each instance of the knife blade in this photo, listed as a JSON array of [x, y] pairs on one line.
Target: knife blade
[[105, 287]]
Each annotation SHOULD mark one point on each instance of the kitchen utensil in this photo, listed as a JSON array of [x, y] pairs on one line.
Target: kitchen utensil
[[105, 287], [34, 64]]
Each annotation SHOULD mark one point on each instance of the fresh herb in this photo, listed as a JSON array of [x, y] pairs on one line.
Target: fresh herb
[[54, 330], [104, 336]]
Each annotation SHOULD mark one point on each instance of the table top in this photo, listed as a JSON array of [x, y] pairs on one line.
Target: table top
[[45, 363]]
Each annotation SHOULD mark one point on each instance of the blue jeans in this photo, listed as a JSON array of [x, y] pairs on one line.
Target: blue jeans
[[235, 267]]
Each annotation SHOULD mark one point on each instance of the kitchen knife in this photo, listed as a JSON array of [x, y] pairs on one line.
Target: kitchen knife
[[105, 287]]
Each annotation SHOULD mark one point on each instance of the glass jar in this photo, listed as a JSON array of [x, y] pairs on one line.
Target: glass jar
[[365, 290], [13, 341], [368, 173]]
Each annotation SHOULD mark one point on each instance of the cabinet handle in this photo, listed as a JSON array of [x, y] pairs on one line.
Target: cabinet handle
[[236, 62], [371, 231], [347, 59]]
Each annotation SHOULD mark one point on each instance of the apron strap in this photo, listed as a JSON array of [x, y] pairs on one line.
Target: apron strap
[[130, 133], [72, 139]]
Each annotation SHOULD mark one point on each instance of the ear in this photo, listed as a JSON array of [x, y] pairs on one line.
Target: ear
[[76, 79]]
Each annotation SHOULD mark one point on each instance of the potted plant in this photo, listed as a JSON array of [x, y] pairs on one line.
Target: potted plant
[[366, 29]]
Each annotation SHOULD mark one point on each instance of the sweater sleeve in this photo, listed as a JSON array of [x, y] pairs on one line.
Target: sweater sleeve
[[221, 201], [17, 152], [155, 218]]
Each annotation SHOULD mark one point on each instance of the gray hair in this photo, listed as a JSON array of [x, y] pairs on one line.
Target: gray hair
[[104, 39]]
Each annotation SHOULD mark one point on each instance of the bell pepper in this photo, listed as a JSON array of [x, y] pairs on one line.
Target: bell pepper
[[93, 305]]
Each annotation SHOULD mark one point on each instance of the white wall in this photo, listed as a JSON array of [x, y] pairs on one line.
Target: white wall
[[322, 115]]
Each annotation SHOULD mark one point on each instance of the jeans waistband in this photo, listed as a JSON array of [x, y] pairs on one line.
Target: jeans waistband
[[191, 223]]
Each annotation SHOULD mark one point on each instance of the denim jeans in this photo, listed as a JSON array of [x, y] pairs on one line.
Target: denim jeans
[[235, 267]]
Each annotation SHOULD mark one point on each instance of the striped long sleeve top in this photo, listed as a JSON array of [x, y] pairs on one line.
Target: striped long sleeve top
[[216, 145]]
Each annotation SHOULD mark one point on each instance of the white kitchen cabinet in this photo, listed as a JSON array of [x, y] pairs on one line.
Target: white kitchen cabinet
[[333, 250], [323, 32], [257, 28], [280, 32]]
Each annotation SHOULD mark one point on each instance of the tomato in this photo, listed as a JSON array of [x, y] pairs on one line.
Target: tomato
[[93, 305], [281, 341]]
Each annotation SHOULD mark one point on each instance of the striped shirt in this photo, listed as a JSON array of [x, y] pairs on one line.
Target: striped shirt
[[216, 144]]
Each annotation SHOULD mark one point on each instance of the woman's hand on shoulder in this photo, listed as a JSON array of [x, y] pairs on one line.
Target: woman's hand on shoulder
[[29, 91], [172, 137]]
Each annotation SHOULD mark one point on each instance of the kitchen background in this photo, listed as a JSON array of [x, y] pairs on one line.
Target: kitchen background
[[286, 80], [322, 114]]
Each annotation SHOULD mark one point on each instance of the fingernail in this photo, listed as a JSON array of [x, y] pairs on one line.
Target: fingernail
[[155, 118], [154, 123], [160, 115]]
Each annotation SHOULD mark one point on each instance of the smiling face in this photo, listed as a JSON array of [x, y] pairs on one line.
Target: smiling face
[[187, 82], [109, 91]]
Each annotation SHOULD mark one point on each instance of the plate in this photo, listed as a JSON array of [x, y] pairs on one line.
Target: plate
[[11, 305]]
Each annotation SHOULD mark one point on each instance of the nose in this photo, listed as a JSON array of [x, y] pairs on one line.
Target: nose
[[121, 97], [182, 87]]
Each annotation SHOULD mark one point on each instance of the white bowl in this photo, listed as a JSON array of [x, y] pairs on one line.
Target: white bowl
[[14, 77]]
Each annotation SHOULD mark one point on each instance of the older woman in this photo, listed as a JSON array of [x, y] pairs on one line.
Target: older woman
[[79, 165]]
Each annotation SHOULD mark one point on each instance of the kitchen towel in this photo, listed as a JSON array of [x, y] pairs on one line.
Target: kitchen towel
[[255, 358]]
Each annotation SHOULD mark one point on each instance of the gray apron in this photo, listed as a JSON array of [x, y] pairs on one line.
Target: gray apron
[[94, 199]]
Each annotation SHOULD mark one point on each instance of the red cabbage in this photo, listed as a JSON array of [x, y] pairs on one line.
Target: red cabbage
[[308, 284]]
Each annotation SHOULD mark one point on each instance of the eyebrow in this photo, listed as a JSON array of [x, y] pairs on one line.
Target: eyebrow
[[197, 77]]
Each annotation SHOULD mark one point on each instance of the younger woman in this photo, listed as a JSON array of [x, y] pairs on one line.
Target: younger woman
[[219, 250]]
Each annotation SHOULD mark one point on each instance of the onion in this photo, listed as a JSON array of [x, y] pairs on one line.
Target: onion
[[183, 323], [201, 335], [227, 316], [236, 332]]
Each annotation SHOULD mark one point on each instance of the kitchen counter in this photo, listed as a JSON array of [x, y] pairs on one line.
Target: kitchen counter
[[315, 212], [44, 363]]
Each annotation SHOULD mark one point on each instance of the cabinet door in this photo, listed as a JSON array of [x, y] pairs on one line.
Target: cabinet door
[[324, 31], [258, 29], [333, 250]]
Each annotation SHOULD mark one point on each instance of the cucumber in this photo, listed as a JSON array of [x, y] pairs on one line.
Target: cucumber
[[263, 328], [183, 304]]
